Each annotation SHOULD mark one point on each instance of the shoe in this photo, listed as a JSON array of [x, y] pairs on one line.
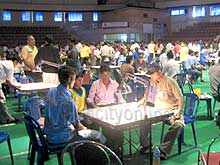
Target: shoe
[[145, 150], [163, 155], [13, 121]]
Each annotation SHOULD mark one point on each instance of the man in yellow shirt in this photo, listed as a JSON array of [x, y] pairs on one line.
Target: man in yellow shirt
[[84, 52], [28, 54]]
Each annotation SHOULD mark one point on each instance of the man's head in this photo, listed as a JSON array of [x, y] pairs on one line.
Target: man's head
[[49, 39], [67, 76], [105, 72], [31, 40], [130, 60], [154, 70], [170, 55], [17, 62], [141, 57], [79, 80]]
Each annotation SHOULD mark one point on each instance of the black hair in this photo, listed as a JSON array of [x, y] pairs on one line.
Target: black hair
[[64, 74], [128, 59], [15, 57], [49, 39], [80, 74], [170, 54], [104, 68]]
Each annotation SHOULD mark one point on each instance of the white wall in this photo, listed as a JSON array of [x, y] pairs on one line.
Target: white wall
[[177, 3]]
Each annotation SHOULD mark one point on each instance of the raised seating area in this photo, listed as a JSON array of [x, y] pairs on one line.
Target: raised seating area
[[12, 36], [199, 31]]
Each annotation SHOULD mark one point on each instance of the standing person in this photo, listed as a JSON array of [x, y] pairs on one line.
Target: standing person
[[28, 54], [73, 56], [51, 54], [6, 75], [85, 53], [168, 97], [151, 50], [62, 123]]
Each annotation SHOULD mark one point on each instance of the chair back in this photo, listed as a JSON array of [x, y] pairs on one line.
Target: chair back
[[191, 105], [85, 152], [218, 89], [24, 79], [35, 132], [32, 106], [180, 79], [87, 88]]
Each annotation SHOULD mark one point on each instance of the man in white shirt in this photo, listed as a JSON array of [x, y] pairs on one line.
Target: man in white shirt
[[6, 75]]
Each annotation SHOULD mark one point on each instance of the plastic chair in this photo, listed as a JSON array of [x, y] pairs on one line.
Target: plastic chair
[[85, 152], [20, 94], [180, 79], [39, 142], [3, 137], [33, 106], [208, 100], [87, 88], [218, 90], [191, 105], [209, 158]]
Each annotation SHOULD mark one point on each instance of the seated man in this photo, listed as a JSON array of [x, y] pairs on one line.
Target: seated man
[[140, 65], [192, 67], [167, 97], [128, 66], [104, 90], [79, 93], [171, 67], [102, 93], [61, 118]]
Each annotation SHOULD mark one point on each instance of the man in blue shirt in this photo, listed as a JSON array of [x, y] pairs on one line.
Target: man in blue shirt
[[62, 124], [192, 67]]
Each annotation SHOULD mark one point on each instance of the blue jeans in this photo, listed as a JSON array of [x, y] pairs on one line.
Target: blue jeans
[[90, 135]]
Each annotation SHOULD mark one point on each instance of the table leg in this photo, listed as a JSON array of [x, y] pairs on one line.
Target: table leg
[[209, 106], [150, 142]]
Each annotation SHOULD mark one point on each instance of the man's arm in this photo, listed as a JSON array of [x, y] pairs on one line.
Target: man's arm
[[14, 85], [179, 96], [91, 96], [80, 126]]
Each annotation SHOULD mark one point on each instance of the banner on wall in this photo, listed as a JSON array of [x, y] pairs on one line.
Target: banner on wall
[[147, 28], [114, 24]]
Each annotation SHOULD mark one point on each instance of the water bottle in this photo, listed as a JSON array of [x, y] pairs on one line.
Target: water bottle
[[156, 156]]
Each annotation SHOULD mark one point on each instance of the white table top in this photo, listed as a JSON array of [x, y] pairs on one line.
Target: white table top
[[40, 86], [123, 114], [111, 66]]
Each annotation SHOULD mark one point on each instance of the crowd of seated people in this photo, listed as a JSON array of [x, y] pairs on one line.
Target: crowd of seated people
[[161, 61]]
